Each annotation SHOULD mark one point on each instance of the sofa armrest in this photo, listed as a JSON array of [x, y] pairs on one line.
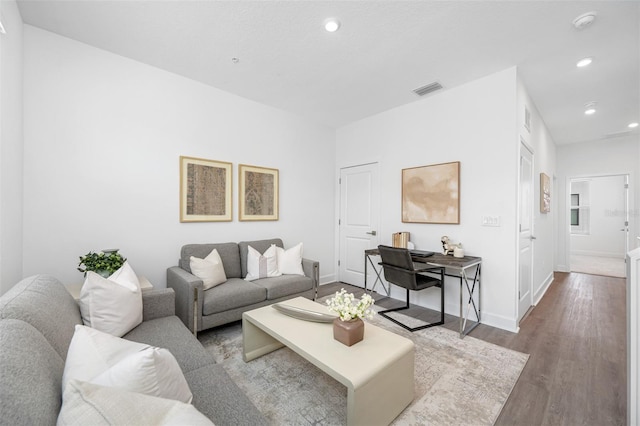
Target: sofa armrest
[[158, 304], [311, 269], [189, 292]]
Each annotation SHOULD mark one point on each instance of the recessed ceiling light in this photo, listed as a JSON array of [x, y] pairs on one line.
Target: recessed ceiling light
[[633, 125], [584, 20], [332, 25], [584, 62], [590, 108]]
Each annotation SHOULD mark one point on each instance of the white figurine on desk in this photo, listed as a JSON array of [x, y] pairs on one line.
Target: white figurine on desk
[[450, 248]]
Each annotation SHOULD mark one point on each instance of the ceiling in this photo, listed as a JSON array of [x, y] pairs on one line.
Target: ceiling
[[383, 50]]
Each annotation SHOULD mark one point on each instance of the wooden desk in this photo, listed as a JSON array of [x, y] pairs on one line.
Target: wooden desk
[[457, 267]]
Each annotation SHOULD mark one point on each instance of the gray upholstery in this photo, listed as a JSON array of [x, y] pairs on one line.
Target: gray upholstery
[[30, 376], [259, 245], [235, 293], [228, 254], [158, 304], [285, 285], [224, 303], [170, 333], [38, 318], [224, 403], [39, 299], [232, 315]]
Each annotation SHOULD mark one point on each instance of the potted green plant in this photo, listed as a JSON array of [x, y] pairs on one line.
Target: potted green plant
[[104, 263]]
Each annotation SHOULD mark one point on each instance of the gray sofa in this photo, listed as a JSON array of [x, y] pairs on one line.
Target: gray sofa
[[37, 321], [225, 303]]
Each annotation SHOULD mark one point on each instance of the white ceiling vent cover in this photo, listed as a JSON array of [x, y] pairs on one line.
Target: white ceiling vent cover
[[424, 90]]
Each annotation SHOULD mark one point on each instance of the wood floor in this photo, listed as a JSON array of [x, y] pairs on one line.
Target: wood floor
[[576, 339]]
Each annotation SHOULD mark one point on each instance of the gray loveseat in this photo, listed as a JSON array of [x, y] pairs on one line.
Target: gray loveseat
[[37, 321], [225, 303]]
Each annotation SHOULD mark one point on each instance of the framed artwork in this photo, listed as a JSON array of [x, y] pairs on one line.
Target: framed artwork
[[431, 194], [205, 190], [545, 193], [258, 196]]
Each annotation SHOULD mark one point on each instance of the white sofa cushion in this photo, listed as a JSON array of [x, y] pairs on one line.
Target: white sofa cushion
[[103, 359], [152, 371], [112, 305], [89, 404]]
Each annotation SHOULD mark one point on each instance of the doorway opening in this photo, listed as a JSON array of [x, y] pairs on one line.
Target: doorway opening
[[599, 225]]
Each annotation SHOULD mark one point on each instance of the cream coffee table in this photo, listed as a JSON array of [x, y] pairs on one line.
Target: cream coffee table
[[378, 371]]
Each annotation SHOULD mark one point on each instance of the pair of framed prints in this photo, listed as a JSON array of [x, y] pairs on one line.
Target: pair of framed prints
[[206, 191]]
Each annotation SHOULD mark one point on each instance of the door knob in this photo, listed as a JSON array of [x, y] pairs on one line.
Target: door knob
[[372, 233], [532, 237]]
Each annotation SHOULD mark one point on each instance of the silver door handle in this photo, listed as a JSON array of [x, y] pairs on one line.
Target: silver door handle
[[372, 233], [532, 237]]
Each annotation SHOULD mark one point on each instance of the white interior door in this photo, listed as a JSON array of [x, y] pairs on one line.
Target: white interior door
[[526, 237], [358, 223]]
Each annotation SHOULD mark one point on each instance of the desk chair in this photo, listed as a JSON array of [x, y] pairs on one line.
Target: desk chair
[[399, 270]]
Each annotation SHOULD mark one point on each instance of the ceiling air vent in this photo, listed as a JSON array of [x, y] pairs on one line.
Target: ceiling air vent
[[421, 91]]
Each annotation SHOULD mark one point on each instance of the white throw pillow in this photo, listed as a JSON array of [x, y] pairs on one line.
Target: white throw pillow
[[290, 260], [92, 352], [88, 404], [153, 371], [262, 265], [112, 305], [210, 269], [107, 360]]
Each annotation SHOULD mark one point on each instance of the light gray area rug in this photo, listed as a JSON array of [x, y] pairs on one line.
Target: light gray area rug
[[457, 381]]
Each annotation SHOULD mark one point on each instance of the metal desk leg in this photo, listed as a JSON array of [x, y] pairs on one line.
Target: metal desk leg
[[367, 258], [471, 303]]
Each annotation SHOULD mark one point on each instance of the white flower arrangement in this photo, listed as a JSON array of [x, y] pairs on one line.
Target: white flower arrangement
[[348, 308]]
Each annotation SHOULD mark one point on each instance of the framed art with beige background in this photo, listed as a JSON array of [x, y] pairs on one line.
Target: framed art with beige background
[[545, 193], [431, 194], [258, 195], [205, 190]]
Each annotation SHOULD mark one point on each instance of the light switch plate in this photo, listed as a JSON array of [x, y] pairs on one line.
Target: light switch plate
[[490, 220]]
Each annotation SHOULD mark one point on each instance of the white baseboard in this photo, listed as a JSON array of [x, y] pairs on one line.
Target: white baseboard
[[499, 321], [537, 296], [327, 279], [598, 253]]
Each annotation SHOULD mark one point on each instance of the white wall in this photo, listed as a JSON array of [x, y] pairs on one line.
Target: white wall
[[538, 138], [476, 125], [604, 218], [600, 158], [103, 135], [11, 138]]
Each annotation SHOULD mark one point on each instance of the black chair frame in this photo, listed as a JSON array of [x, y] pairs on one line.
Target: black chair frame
[[421, 271]]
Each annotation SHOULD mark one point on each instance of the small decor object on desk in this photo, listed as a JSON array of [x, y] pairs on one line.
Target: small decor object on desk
[[447, 246], [104, 263], [348, 328]]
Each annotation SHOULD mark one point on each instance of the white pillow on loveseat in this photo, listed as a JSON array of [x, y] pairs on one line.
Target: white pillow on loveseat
[[290, 260], [112, 305], [262, 265], [89, 404], [210, 269]]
